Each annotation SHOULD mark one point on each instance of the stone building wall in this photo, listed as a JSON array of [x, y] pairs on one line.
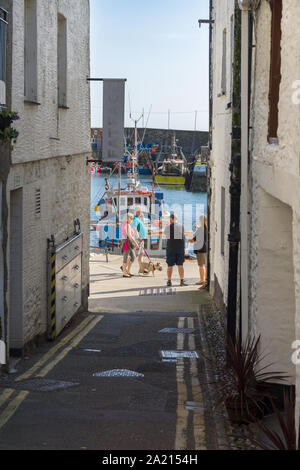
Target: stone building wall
[[275, 182], [45, 129], [50, 156], [65, 196], [190, 141], [221, 148]]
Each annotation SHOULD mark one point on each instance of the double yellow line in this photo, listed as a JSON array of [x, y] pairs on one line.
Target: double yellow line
[[182, 395], [43, 367]]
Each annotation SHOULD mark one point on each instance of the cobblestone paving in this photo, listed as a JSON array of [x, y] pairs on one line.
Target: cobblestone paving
[[230, 436]]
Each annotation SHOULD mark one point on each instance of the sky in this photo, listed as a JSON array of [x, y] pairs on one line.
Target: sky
[[158, 47]]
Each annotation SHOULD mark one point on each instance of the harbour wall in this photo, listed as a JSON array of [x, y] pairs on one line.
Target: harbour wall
[[190, 141]]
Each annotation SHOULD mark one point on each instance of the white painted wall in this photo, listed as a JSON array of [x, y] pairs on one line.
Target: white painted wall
[[221, 141], [1, 267], [51, 151], [40, 124], [275, 241]]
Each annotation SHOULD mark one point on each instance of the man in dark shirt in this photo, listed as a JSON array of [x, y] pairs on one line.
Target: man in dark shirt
[[174, 234]]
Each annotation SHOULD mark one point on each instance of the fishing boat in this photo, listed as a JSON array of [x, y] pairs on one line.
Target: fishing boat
[[174, 168], [199, 176], [115, 203]]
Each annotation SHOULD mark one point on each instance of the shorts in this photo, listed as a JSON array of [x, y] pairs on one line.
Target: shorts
[[175, 258], [202, 259], [128, 253]]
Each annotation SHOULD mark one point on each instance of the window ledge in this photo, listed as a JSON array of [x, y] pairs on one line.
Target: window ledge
[[32, 102], [61, 106]]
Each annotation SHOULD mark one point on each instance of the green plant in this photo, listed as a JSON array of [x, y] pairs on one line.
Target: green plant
[[7, 133], [288, 438], [8, 113], [239, 378]]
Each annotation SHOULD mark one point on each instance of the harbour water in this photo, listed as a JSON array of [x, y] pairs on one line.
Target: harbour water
[[187, 205]]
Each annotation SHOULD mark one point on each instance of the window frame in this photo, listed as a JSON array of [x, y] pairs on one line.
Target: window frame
[[30, 52], [275, 71], [62, 61], [3, 55]]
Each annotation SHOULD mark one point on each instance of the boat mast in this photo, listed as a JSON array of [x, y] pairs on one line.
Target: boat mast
[[119, 194], [135, 157]]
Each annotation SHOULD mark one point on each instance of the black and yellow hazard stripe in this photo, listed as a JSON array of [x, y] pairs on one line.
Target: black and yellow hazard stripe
[[53, 299]]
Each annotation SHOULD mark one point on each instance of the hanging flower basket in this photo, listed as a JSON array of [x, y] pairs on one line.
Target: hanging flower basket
[[7, 133], [5, 122]]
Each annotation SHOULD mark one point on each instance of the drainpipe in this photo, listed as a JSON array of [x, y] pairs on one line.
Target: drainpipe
[[246, 44], [210, 142], [210, 21], [235, 184]]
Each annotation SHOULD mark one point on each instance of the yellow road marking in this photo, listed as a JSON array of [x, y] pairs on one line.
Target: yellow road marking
[[53, 350], [73, 343], [5, 395], [180, 336], [198, 415], [182, 413], [12, 408]]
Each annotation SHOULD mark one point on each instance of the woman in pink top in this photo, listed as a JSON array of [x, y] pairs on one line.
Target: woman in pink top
[[128, 245]]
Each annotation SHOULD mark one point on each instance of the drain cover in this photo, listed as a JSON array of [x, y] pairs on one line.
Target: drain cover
[[44, 385], [118, 373], [185, 331], [179, 354]]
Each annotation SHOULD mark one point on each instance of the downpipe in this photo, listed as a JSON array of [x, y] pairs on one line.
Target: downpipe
[[246, 53]]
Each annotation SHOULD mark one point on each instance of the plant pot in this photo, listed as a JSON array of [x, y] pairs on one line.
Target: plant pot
[[242, 414], [5, 123]]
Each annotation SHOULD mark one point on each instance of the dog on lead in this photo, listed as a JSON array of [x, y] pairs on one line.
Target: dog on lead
[[150, 267]]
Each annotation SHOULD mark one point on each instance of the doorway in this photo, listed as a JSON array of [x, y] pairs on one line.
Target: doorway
[[275, 283]]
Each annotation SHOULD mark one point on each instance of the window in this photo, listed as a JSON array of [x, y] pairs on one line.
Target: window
[[62, 61], [138, 201], [275, 70], [3, 25], [222, 221], [30, 50], [224, 64]]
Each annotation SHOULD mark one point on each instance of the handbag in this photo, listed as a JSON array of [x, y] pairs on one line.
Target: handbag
[[125, 245], [130, 244]]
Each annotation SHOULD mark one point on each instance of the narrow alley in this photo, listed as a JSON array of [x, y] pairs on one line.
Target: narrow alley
[[126, 375], [149, 226]]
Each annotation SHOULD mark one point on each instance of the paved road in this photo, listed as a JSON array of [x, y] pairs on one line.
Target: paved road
[[55, 401]]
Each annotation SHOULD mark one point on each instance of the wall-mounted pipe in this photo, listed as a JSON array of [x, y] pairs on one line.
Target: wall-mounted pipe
[[246, 43]]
